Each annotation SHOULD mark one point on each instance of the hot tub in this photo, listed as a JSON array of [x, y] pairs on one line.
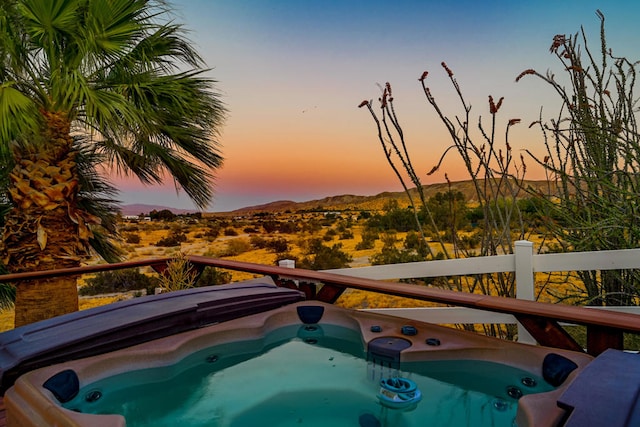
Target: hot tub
[[303, 363]]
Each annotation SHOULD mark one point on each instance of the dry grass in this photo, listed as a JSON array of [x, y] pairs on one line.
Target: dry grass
[[198, 244]]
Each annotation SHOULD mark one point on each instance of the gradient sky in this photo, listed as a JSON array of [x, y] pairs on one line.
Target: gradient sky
[[292, 73]]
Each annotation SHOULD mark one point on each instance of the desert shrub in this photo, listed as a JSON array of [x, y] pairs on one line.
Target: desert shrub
[[132, 238], [346, 235], [278, 245], [179, 274], [212, 276], [329, 235], [125, 280], [391, 254], [312, 226], [270, 226], [230, 232], [236, 247], [288, 227], [213, 231], [369, 237], [414, 242], [173, 239], [258, 242], [469, 241], [321, 257], [162, 215], [249, 230]]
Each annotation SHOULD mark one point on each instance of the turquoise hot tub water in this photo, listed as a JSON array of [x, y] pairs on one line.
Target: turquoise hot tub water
[[309, 375]]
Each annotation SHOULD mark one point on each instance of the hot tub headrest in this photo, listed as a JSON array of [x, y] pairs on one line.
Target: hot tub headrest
[[556, 369], [64, 385]]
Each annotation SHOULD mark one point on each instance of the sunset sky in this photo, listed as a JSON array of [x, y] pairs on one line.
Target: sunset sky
[[292, 73]]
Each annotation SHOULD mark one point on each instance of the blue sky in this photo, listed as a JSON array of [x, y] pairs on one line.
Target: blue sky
[[293, 72]]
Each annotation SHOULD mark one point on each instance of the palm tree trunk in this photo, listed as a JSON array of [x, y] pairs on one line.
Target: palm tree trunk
[[44, 230]]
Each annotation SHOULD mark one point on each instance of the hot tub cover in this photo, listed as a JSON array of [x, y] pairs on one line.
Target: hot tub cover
[[126, 323]]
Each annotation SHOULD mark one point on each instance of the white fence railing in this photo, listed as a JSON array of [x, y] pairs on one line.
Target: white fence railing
[[524, 263]]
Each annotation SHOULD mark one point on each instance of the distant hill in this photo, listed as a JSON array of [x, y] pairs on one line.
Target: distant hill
[[353, 202], [342, 202]]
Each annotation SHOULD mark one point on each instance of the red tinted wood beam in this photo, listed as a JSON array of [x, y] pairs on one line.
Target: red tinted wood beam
[[599, 339], [548, 332]]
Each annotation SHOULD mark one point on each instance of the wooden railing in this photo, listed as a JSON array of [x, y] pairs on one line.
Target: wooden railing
[[523, 263], [542, 321]]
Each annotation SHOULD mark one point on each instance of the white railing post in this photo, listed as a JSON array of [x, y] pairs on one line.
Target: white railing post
[[525, 283], [287, 263]]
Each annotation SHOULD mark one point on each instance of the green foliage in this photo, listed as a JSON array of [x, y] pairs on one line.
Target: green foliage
[[7, 295], [592, 159], [124, 78], [7, 292], [117, 281]]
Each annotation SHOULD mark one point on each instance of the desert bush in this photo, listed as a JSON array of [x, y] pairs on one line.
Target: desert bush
[[321, 257], [230, 232], [369, 237], [258, 242], [288, 227], [125, 280], [346, 235], [278, 245], [173, 239], [179, 274], [329, 235], [236, 247], [132, 238], [212, 276], [213, 230], [311, 226], [162, 215]]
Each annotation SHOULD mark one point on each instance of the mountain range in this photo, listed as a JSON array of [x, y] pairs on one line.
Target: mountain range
[[342, 202]]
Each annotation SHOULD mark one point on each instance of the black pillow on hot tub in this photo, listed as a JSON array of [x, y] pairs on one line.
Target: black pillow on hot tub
[[64, 385]]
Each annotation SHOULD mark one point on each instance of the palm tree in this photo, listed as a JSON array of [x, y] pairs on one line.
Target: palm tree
[[87, 84]]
